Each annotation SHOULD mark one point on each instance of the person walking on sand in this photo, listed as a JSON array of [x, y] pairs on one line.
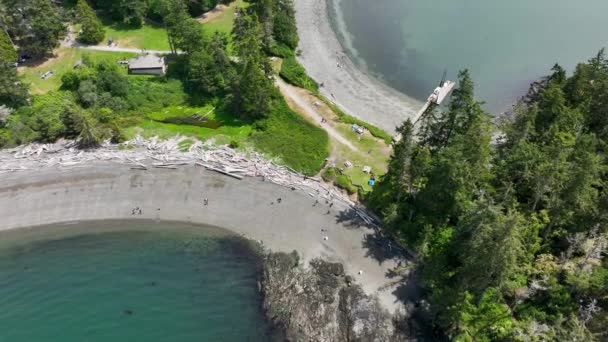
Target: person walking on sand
[[205, 201]]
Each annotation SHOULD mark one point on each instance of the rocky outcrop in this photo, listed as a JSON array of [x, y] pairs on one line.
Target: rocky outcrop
[[321, 303]]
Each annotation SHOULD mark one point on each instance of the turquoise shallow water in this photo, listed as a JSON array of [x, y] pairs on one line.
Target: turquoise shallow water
[[127, 282], [505, 44]]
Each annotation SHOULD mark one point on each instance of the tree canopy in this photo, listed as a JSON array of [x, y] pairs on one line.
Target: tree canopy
[[92, 29], [36, 26], [509, 215]]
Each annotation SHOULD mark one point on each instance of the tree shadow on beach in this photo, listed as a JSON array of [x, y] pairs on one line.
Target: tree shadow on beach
[[350, 219], [416, 319]]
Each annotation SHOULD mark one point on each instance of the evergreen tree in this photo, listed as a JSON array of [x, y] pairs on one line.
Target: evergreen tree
[[132, 11], [462, 112], [253, 90], [13, 93], [8, 55], [35, 25], [184, 33], [92, 29], [284, 24], [210, 71]]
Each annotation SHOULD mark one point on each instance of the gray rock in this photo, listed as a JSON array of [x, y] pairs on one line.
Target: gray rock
[[320, 303]]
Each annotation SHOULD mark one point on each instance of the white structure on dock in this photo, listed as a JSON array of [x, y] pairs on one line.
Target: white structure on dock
[[441, 92], [437, 97]]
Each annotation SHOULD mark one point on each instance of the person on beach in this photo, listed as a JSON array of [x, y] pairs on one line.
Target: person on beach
[[279, 200], [205, 201]]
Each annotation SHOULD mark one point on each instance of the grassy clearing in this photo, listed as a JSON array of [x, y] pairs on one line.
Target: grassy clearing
[[372, 152], [177, 120], [154, 37], [63, 61], [345, 118], [224, 21], [298, 143], [148, 36]]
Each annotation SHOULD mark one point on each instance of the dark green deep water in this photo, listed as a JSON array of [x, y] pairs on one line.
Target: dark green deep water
[[505, 44], [129, 281]]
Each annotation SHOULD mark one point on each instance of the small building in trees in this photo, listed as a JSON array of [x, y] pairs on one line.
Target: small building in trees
[[147, 64]]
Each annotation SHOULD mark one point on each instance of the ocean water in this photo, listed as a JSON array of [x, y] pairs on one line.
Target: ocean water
[[505, 44], [129, 281]]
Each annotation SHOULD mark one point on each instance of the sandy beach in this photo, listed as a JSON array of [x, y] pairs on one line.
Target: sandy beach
[[351, 89], [107, 190]]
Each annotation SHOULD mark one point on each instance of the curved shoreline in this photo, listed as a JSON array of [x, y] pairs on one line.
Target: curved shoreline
[[356, 92], [108, 190]]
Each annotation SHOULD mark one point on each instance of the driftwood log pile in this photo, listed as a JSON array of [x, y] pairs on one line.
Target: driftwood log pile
[[143, 154]]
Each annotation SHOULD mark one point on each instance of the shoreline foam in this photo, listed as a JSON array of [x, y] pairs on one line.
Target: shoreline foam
[[356, 92]]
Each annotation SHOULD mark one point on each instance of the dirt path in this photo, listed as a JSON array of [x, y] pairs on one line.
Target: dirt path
[[307, 109], [214, 13], [71, 42], [118, 49]]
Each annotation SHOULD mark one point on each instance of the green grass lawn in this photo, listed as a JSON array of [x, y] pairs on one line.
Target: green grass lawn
[[224, 21], [373, 152], [149, 36], [177, 120], [62, 62], [154, 37]]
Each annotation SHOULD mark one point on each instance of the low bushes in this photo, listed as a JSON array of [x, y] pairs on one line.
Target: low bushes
[[300, 145], [341, 180], [294, 73]]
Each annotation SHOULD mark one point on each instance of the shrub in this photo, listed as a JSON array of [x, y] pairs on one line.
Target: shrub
[[300, 144], [281, 50], [234, 144], [343, 182], [70, 80], [148, 95], [117, 134], [329, 175], [294, 73]]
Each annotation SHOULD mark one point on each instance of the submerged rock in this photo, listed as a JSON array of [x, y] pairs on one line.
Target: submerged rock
[[321, 303]]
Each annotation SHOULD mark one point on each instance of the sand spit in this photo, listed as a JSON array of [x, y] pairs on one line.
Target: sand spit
[[354, 91]]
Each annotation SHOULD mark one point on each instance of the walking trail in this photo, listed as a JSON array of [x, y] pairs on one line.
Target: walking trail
[[289, 92]]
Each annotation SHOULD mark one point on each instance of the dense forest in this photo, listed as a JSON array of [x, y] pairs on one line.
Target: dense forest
[[509, 215]]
